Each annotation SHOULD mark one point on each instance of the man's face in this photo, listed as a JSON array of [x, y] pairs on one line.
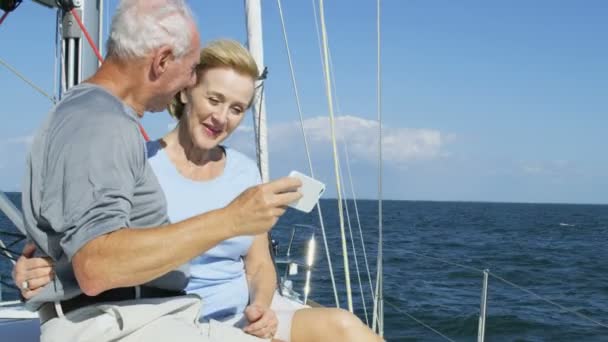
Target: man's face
[[179, 74]]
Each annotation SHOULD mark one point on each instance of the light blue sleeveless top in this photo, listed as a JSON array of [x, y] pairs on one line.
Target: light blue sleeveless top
[[218, 276]]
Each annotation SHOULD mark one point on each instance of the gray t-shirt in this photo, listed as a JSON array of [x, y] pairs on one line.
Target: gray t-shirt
[[88, 175]]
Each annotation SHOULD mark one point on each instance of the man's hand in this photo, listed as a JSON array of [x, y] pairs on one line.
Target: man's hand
[[32, 274], [263, 321], [257, 209]]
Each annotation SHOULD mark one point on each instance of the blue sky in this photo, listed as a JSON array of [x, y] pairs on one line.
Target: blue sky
[[482, 101]]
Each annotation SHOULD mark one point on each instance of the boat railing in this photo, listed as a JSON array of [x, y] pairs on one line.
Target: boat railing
[[289, 263], [485, 273]]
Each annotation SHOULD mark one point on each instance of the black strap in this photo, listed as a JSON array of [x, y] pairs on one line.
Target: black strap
[[117, 295], [47, 311]]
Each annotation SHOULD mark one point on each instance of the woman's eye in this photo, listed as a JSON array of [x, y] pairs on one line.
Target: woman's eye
[[214, 101]]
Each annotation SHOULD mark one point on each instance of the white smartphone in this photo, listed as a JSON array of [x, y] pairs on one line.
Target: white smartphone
[[311, 191]]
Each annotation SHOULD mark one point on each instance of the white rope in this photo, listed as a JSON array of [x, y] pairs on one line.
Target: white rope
[[5, 251], [334, 84], [443, 261], [308, 158], [352, 188], [26, 80], [331, 64], [339, 112], [352, 242], [378, 304], [376, 316], [314, 9], [349, 295]]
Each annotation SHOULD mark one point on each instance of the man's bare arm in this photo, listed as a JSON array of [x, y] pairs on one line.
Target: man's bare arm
[[129, 257]]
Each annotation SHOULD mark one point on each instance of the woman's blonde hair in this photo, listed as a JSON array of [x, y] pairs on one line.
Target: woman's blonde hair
[[223, 53]]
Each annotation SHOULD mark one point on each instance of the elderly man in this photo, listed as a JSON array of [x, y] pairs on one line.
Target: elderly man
[[93, 205]]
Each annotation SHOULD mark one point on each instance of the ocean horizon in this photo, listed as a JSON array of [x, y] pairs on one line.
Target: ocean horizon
[[481, 201], [434, 253]]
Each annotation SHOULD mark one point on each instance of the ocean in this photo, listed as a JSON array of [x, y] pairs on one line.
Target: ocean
[[433, 254]]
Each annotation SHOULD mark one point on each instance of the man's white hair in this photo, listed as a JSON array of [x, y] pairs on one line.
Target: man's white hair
[[140, 26]]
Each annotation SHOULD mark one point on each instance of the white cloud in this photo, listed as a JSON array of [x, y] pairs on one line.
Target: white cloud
[[400, 145]]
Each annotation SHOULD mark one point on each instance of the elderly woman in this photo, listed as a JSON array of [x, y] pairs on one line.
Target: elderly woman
[[236, 279]]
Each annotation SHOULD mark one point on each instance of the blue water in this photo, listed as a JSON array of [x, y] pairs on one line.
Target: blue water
[[557, 251]]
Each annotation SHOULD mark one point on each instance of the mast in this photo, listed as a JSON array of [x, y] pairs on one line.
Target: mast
[[78, 62], [253, 10]]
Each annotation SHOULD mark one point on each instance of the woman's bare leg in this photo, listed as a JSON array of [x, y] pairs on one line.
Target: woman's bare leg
[[329, 324]]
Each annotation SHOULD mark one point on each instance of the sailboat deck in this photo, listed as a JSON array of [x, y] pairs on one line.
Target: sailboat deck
[[18, 324]]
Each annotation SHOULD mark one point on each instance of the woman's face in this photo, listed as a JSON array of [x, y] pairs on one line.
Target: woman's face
[[216, 105]]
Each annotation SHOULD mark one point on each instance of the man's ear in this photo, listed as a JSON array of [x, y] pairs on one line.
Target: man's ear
[[183, 97], [161, 60]]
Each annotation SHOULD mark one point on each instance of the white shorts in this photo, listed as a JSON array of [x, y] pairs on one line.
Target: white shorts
[[283, 308], [154, 319]]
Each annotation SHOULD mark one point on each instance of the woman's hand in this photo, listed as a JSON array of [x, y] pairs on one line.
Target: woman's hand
[[263, 321], [32, 274]]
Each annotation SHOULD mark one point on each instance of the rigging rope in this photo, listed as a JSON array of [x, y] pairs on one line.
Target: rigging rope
[[314, 8], [352, 242], [86, 34], [349, 295], [352, 188], [549, 301], [478, 270], [339, 111], [24, 79], [308, 157], [347, 157], [331, 71], [379, 271], [418, 321], [6, 251]]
